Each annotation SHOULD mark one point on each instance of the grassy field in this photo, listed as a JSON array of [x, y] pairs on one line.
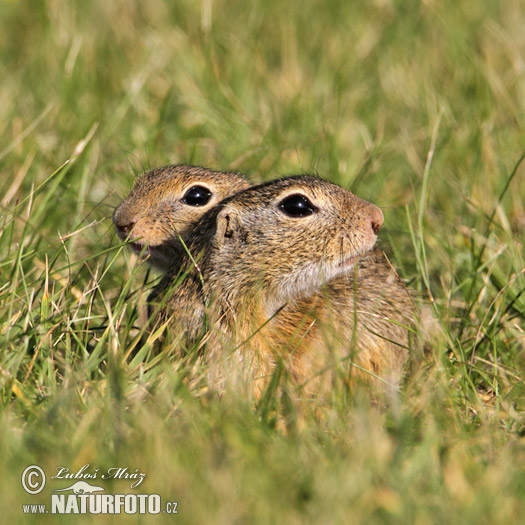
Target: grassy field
[[418, 107]]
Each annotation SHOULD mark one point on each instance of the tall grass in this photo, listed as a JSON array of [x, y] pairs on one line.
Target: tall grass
[[416, 106]]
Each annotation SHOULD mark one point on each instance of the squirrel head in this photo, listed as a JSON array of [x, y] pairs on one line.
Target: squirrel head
[[164, 206], [282, 240]]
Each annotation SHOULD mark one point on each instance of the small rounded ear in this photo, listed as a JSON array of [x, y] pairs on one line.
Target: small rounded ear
[[228, 226]]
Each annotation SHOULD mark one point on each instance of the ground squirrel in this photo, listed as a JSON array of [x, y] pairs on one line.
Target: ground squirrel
[[165, 203], [277, 264]]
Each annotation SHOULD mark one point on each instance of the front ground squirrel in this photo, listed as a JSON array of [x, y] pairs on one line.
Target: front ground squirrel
[[287, 274]]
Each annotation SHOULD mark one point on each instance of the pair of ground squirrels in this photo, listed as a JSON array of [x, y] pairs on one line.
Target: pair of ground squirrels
[[284, 274]]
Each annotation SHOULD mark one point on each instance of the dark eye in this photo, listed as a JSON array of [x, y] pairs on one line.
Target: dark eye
[[197, 196], [297, 206]]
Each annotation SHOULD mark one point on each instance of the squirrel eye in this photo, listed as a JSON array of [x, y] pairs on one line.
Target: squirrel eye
[[197, 196], [297, 206]]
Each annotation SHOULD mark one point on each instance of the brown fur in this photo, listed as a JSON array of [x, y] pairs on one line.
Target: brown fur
[[154, 213], [286, 290]]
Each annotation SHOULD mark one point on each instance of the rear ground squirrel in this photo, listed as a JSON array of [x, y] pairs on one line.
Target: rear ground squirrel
[[165, 203]]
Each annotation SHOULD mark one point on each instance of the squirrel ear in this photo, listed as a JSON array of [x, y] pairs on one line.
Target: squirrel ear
[[228, 226]]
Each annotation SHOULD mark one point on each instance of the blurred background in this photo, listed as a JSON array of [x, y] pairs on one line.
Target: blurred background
[[350, 90]]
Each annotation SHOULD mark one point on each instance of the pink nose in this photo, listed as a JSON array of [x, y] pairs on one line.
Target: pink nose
[[376, 218]]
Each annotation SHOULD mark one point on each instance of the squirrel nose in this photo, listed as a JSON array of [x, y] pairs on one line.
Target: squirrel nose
[[123, 221], [125, 229], [376, 218]]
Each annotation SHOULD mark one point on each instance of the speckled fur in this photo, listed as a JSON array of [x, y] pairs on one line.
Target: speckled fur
[[159, 215], [257, 266]]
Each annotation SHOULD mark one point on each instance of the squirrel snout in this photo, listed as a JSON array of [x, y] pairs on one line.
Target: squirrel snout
[[125, 229], [376, 218], [122, 222]]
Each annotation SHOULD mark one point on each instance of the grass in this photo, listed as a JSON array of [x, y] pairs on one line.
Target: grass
[[416, 106]]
